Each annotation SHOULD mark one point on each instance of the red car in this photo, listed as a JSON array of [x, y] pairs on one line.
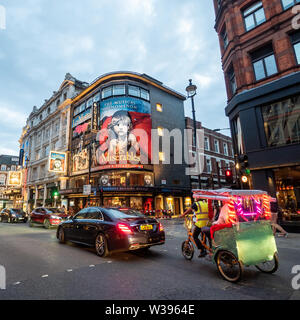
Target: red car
[[48, 217]]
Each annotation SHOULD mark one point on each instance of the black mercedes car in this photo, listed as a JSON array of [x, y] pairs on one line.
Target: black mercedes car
[[110, 230], [13, 215]]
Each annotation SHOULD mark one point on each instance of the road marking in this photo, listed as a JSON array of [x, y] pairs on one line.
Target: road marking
[[109, 261], [45, 276], [91, 265], [16, 283], [69, 270]]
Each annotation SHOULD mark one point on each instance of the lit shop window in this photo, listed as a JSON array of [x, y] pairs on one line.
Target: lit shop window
[[161, 156], [159, 107], [160, 131]]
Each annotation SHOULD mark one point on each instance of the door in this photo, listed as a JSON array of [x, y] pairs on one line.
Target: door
[[91, 226], [76, 226]]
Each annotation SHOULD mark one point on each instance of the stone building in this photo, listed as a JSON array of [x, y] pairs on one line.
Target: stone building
[[46, 130]]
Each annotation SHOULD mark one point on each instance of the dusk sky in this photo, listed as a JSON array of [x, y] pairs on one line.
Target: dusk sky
[[171, 41]]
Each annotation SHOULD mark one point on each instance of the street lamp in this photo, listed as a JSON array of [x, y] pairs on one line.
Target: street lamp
[[191, 92]]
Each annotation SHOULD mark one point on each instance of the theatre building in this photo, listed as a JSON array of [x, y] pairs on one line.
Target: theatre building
[[260, 47], [110, 159]]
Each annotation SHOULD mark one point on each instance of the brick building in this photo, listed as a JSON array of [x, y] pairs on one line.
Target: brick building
[[218, 153], [260, 49]]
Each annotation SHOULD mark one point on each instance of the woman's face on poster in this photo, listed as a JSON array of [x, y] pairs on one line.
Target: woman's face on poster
[[121, 127]]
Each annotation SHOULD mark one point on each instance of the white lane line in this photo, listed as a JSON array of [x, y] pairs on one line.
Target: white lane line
[[45, 276], [91, 265], [69, 270], [16, 283], [109, 261]]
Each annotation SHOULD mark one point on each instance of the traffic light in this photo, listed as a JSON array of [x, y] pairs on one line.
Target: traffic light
[[229, 176], [54, 193]]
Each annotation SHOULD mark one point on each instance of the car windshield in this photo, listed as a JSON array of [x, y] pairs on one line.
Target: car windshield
[[128, 213], [19, 211], [54, 210]]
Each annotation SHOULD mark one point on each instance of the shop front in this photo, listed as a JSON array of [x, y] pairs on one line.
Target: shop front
[[288, 191]]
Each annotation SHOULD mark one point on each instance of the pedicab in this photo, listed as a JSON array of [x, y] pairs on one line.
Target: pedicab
[[247, 239]]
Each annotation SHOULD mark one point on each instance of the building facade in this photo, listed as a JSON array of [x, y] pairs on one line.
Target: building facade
[[47, 132], [217, 154], [111, 136], [10, 182], [260, 48]]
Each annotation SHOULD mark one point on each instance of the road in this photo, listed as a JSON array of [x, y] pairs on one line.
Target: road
[[38, 267]]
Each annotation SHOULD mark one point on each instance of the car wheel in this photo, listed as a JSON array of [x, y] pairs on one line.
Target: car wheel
[[47, 224], [101, 245], [61, 235]]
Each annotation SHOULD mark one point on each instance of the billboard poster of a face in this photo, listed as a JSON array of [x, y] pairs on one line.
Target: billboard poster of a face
[[125, 136], [14, 178], [57, 162]]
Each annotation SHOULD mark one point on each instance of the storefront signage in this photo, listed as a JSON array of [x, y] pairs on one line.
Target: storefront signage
[[14, 178], [125, 135], [57, 162], [87, 189], [80, 161], [2, 179], [141, 189], [95, 117], [81, 118], [119, 166]]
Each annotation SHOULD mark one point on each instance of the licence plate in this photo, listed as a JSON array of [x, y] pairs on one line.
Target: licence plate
[[145, 227]]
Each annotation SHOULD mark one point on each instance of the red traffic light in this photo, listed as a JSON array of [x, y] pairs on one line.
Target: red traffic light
[[228, 173]]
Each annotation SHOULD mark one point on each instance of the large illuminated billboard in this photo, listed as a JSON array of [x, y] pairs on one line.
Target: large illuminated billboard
[[125, 136]]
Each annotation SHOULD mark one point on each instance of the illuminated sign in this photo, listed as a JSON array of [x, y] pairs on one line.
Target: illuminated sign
[[57, 162], [14, 178], [81, 118], [125, 135]]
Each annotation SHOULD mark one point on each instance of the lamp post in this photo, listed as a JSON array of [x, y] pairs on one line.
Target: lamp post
[[191, 92]]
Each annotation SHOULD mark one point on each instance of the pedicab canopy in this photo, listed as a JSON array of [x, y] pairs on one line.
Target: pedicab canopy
[[248, 233]]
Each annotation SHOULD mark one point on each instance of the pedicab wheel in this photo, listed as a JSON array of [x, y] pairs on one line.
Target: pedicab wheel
[[187, 250], [269, 266], [230, 268]]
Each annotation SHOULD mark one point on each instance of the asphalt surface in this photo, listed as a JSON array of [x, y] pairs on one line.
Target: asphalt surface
[[38, 267]]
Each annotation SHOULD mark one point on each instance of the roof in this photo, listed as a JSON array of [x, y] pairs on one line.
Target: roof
[[7, 159]]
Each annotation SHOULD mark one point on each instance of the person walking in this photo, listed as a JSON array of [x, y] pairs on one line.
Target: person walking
[[274, 219]]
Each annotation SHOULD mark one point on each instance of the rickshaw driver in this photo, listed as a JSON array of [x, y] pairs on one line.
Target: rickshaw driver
[[200, 219]]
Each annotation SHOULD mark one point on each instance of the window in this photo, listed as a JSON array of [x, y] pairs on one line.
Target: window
[[48, 110], [254, 15], [282, 122], [206, 143], [232, 80], [161, 156], [57, 102], [225, 38], [3, 167], [82, 214], [134, 91], [37, 155], [159, 107], [138, 92], [288, 3], [216, 142], [41, 117], [79, 109], [65, 96], [13, 168], [94, 213], [208, 165], [160, 131], [119, 90], [225, 147], [264, 63], [295, 39]]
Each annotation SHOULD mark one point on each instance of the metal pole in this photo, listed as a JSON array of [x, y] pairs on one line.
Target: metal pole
[[218, 173], [195, 139]]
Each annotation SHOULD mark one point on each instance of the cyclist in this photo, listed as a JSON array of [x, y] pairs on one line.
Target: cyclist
[[200, 219]]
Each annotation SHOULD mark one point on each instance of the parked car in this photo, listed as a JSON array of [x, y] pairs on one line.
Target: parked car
[[13, 215], [48, 217], [111, 230]]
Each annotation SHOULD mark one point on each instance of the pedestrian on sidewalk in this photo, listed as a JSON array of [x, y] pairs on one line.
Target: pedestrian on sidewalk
[[274, 219]]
